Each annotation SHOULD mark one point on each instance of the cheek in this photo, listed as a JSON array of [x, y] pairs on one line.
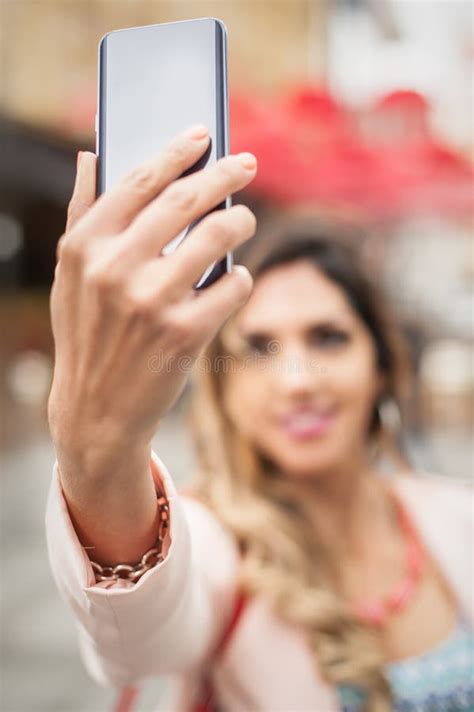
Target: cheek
[[352, 379], [244, 400]]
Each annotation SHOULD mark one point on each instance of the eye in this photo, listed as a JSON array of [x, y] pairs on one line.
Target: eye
[[328, 337], [257, 343]]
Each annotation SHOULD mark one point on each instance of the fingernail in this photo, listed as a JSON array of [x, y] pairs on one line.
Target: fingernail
[[79, 156], [248, 160], [197, 131], [241, 269]]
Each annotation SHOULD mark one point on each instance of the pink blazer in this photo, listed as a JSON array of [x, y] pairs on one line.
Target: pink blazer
[[168, 622]]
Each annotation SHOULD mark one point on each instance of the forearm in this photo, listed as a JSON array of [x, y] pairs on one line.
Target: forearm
[[116, 514], [172, 617]]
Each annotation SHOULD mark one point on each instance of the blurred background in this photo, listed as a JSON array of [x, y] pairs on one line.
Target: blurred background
[[360, 113]]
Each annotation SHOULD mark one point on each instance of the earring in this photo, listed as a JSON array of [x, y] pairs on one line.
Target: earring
[[389, 414], [392, 440]]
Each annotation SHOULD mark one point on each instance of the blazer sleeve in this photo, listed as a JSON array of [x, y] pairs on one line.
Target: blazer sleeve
[[169, 621]]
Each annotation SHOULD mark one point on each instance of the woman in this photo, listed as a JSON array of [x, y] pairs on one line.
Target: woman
[[357, 589]]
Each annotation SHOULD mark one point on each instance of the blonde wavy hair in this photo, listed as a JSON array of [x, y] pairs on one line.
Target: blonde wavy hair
[[282, 558]]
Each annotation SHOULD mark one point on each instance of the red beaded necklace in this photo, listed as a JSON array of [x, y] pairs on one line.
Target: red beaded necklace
[[376, 611]]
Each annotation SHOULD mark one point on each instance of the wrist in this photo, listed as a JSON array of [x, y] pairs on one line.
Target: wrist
[[148, 560], [115, 514], [91, 445], [100, 462]]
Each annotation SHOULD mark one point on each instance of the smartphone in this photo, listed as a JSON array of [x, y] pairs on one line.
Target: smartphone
[[154, 82]]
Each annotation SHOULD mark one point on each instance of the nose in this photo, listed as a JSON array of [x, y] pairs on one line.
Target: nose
[[297, 373]]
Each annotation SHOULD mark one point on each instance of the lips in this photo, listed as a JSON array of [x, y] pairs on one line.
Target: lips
[[308, 423]]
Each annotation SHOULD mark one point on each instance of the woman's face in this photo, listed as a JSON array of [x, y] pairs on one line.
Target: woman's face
[[305, 382]]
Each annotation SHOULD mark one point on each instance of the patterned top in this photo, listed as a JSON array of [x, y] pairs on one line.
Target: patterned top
[[440, 680]]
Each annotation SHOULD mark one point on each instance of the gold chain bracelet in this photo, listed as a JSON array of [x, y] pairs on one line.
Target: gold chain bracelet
[[152, 557]]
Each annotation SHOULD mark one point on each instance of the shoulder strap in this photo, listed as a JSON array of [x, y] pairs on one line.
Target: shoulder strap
[[239, 605], [126, 699], [206, 698], [240, 599]]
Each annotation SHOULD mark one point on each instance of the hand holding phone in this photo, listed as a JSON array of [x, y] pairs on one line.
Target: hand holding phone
[[123, 317]]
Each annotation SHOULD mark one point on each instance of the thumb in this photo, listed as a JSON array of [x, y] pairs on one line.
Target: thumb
[[83, 196]]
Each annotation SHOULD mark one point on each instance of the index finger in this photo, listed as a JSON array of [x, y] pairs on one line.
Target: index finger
[[117, 207], [83, 195]]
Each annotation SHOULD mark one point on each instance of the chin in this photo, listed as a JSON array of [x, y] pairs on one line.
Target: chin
[[302, 469], [306, 461]]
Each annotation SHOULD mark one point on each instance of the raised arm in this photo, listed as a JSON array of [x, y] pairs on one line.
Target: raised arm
[[116, 304]]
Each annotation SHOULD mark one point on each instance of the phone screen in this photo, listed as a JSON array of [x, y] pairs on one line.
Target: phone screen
[[154, 82]]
